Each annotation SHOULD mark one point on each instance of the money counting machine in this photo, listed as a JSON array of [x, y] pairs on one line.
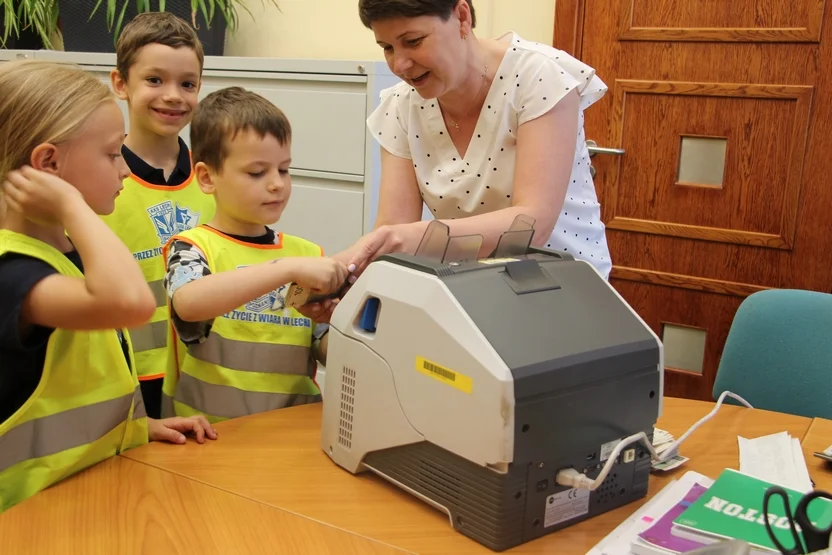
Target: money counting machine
[[470, 382]]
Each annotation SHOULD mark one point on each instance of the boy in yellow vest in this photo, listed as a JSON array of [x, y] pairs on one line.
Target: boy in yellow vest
[[158, 71], [242, 349]]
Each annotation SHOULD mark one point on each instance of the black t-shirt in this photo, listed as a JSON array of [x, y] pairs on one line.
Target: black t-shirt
[[22, 359], [156, 176]]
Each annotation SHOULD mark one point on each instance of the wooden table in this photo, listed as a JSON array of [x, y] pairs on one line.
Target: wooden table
[[276, 459], [125, 508]]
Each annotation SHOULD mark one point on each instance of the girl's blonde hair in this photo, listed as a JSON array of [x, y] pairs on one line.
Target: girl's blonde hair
[[43, 102]]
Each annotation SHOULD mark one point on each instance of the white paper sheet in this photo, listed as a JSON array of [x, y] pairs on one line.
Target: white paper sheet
[[776, 458]]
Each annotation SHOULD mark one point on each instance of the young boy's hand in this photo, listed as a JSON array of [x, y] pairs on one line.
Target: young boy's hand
[[321, 312], [173, 429], [323, 275], [40, 196]]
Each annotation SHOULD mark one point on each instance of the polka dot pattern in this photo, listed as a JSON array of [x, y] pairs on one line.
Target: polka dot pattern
[[531, 79]]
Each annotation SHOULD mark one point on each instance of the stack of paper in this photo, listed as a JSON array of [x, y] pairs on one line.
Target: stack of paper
[[662, 441], [776, 458]]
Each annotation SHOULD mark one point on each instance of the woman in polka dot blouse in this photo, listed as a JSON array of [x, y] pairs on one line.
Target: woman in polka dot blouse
[[480, 131]]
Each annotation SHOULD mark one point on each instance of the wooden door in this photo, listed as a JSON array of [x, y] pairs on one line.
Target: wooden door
[[738, 94]]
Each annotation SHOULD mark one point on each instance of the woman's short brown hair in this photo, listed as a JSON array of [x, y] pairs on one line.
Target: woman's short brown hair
[[374, 10]]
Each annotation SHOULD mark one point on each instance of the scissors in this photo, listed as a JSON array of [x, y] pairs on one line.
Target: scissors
[[816, 539]]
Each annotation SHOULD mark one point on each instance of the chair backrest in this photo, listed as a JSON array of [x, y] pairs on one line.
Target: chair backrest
[[778, 354]]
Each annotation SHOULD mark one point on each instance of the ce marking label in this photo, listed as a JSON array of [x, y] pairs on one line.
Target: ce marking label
[[573, 494]]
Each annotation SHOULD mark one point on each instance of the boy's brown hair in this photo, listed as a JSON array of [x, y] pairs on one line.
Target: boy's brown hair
[[155, 28], [224, 113]]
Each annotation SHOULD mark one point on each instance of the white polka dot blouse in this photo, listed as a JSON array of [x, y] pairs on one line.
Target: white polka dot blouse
[[530, 80]]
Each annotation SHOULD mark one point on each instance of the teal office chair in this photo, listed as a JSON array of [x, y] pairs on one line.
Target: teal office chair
[[778, 355]]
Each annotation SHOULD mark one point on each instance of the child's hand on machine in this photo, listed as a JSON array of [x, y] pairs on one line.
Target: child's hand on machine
[[173, 430], [318, 275], [318, 305], [321, 279], [40, 196], [319, 312]]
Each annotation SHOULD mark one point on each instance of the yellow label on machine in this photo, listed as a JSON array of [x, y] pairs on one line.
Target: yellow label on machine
[[444, 375]]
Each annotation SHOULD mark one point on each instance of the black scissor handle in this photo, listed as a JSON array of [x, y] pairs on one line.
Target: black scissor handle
[[816, 538], [798, 545]]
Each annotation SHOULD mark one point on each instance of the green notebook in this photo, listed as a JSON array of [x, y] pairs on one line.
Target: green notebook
[[733, 508]]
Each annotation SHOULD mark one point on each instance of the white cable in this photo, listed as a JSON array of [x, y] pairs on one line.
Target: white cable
[[571, 477]]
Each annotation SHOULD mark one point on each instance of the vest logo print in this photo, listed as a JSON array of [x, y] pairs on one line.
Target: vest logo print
[[273, 300], [269, 309], [169, 219]]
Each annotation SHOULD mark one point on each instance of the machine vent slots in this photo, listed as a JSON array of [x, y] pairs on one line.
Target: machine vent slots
[[609, 489], [347, 403], [434, 477]]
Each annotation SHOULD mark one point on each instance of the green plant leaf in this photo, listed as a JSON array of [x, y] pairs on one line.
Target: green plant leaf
[[38, 15], [94, 9], [42, 15], [120, 21], [209, 16]]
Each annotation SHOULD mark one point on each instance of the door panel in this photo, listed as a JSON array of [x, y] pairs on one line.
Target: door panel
[[732, 21], [756, 202], [723, 188]]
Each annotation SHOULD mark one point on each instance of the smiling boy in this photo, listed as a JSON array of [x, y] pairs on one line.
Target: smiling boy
[[158, 72]]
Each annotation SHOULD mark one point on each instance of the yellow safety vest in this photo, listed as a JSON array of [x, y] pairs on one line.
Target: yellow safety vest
[[145, 218], [256, 358], [87, 407]]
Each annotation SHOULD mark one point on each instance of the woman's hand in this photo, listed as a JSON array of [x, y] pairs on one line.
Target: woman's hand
[[384, 240]]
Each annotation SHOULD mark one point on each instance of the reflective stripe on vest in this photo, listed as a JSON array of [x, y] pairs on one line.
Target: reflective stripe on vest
[[153, 335], [149, 336], [52, 434], [255, 358], [249, 356], [145, 218], [86, 408], [225, 401], [159, 293]]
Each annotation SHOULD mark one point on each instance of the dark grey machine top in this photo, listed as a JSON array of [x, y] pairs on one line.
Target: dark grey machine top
[[554, 321]]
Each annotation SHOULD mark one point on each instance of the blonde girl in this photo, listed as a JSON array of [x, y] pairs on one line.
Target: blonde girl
[[69, 396]]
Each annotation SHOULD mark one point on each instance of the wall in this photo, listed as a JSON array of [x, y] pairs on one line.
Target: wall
[[330, 29]]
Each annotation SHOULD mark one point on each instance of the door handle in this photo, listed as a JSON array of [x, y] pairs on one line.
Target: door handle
[[594, 149]]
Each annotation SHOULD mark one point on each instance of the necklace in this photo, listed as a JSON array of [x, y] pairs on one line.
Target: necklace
[[453, 123]]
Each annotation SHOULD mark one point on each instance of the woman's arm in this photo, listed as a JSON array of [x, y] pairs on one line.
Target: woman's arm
[[542, 167], [399, 200], [544, 156]]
